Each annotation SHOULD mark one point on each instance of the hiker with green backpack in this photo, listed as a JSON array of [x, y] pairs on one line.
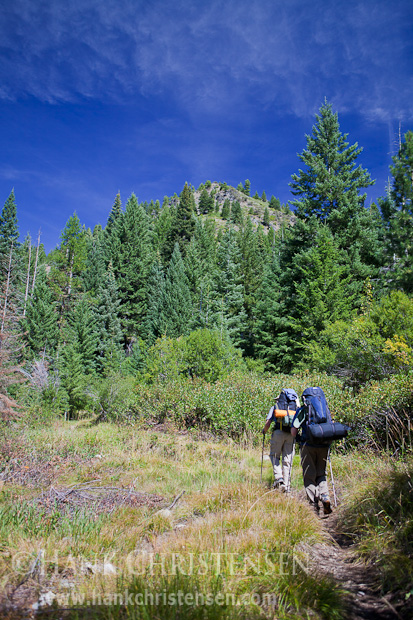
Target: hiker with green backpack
[[282, 443], [318, 431]]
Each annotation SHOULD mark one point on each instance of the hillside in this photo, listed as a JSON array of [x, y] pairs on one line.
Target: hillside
[[252, 208]]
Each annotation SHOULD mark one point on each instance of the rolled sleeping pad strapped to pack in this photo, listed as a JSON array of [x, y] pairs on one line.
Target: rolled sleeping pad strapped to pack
[[327, 431]]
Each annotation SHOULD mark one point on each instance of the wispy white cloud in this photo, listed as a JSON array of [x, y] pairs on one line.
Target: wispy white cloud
[[212, 58]]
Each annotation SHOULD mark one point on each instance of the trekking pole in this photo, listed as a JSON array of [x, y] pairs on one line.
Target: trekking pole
[[332, 478], [262, 455]]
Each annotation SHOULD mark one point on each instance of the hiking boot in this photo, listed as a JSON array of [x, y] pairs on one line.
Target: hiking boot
[[315, 507], [279, 484], [325, 500]]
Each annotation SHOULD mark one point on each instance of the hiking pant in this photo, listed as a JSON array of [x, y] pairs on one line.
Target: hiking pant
[[314, 464], [282, 451]]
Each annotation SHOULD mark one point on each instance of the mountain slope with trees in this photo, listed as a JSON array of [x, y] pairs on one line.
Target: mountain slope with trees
[[278, 284]]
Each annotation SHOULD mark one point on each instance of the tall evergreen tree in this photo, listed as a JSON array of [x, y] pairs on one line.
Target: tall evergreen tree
[[82, 334], [266, 217], [206, 202], [95, 265], [69, 261], [236, 213], [246, 187], [113, 234], [178, 306], [136, 256], [397, 213], [40, 327], [108, 323], [271, 327], [9, 230], [322, 289], [155, 320], [254, 251], [330, 189], [11, 275], [226, 209], [183, 224], [230, 314], [200, 266]]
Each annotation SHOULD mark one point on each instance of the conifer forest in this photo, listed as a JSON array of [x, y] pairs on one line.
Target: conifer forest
[[213, 280]]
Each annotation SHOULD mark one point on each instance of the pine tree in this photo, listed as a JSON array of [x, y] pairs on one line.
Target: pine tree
[[9, 230], [246, 187], [82, 334], [200, 267], [39, 326], [206, 202], [68, 262], [161, 228], [95, 265], [230, 316], [136, 256], [108, 323], [72, 379], [178, 306], [226, 209], [397, 213], [264, 196], [236, 213], [183, 224], [323, 292], [271, 326], [11, 276], [329, 187], [155, 321], [275, 203], [266, 218], [254, 250], [113, 234]]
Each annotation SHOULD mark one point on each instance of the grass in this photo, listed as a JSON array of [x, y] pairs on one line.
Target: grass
[[377, 512], [228, 536]]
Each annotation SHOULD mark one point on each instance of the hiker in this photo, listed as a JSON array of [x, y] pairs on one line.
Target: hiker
[[313, 456], [282, 443]]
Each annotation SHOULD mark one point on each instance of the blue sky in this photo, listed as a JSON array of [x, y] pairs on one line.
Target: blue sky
[[101, 96]]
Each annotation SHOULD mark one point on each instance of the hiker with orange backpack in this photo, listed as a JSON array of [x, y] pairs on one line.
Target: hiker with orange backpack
[[282, 442]]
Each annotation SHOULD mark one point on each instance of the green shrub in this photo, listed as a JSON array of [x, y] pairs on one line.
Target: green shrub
[[203, 354], [235, 405], [114, 397]]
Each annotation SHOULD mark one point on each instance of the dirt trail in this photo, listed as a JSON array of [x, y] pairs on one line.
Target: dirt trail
[[359, 580]]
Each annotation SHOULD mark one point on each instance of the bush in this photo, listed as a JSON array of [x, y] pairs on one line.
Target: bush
[[114, 397], [235, 405], [202, 354]]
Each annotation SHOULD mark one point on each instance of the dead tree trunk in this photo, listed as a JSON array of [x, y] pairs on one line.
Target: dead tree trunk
[[35, 263], [26, 294]]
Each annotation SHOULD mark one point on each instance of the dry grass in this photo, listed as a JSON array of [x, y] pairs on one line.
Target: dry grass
[[227, 530]]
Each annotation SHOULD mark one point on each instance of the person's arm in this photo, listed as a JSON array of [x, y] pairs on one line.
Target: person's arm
[[297, 421], [267, 426], [268, 421]]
